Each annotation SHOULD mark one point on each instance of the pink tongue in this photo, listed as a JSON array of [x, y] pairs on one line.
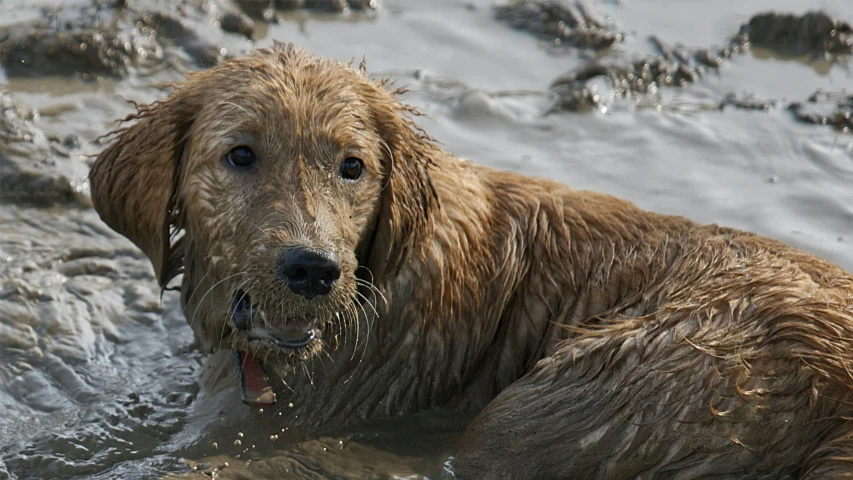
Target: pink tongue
[[253, 383]]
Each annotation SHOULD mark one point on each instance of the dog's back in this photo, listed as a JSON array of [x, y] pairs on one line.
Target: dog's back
[[729, 357]]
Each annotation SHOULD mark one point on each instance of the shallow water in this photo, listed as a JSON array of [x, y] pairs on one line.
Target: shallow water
[[99, 377]]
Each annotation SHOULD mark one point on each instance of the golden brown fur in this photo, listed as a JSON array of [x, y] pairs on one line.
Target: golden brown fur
[[597, 339]]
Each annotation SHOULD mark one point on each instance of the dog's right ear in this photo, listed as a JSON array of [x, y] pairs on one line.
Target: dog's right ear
[[134, 179]]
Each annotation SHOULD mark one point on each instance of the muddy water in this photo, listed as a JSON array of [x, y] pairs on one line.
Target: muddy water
[[99, 376]]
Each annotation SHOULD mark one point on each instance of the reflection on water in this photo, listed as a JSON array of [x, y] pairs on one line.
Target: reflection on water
[[99, 375]]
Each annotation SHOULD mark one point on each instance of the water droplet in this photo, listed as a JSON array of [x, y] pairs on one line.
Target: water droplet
[[260, 410], [215, 445], [239, 434], [237, 443], [290, 405]]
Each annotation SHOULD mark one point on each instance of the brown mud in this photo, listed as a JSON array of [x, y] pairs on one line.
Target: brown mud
[[614, 76], [813, 33], [36, 167], [826, 108], [266, 9], [111, 38], [563, 24]]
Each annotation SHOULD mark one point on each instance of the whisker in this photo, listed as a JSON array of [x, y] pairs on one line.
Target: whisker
[[375, 312], [343, 331], [352, 308], [366, 336], [230, 312], [284, 382], [189, 300], [206, 273], [307, 374], [373, 288], [200, 302], [366, 341]]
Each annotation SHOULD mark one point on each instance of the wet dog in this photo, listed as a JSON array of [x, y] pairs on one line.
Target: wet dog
[[325, 238]]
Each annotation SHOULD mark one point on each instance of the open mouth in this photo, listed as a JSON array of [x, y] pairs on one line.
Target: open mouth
[[289, 334]]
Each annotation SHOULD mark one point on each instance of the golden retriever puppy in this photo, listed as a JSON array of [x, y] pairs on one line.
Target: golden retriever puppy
[[328, 241]]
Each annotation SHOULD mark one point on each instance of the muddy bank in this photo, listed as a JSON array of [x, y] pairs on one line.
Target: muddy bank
[[37, 168], [812, 33], [826, 108], [603, 79], [592, 84], [266, 9], [562, 24], [113, 38]]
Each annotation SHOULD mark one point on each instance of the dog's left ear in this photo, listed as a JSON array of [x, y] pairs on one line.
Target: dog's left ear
[[133, 181], [408, 196]]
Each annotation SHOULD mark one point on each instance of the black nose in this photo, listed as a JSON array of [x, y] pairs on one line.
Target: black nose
[[308, 272]]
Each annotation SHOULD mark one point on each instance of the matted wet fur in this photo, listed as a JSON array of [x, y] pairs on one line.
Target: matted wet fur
[[596, 340]]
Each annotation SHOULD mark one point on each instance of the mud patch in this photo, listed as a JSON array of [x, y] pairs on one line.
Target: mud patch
[[592, 84], [834, 109], [110, 39], [746, 102], [813, 33], [596, 83], [36, 168], [266, 9], [560, 24]]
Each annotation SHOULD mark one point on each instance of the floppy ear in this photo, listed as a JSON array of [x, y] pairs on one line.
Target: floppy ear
[[408, 196], [133, 180]]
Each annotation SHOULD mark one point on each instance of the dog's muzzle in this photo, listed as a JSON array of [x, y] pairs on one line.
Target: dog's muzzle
[[291, 334]]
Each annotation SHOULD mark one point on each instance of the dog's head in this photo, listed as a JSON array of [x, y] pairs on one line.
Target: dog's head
[[285, 188]]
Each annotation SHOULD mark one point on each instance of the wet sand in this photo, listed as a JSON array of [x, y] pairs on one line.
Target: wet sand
[[99, 375]]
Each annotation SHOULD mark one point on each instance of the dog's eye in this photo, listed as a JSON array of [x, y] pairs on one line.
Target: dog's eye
[[351, 168], [240, 157]]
